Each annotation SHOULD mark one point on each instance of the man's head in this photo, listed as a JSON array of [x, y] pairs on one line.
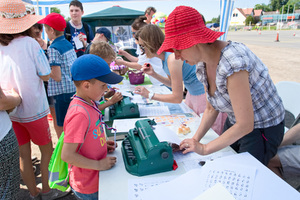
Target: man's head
[[76, 10], [149, 12], [103, 34], [55, 25]]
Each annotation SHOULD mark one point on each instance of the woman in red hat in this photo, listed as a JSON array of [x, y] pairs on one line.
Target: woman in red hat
[[236, 82]]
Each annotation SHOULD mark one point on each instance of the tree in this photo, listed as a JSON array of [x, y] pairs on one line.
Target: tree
[[249, 19], [57, 10], [277, 4], [263, 7]]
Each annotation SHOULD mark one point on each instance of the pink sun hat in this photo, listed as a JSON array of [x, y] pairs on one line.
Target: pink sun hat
[[14, 18], [185, 28]]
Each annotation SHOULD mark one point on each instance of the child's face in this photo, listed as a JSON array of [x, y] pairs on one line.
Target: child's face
[[75, 13], [97, 89], [50, 32]]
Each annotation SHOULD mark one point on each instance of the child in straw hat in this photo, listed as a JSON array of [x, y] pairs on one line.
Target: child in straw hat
[[24, 67]]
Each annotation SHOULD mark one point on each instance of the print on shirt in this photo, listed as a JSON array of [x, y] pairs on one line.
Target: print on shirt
[[99, 133]]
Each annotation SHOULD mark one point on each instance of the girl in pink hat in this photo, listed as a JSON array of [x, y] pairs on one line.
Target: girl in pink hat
[[24, 67], [236, 82]]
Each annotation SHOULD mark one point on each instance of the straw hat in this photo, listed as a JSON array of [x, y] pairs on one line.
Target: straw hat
[[185, 28], [14, 18]]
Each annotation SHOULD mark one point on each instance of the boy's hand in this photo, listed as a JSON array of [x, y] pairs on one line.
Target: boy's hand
[[107, 163], [116, 98], [111, 146]]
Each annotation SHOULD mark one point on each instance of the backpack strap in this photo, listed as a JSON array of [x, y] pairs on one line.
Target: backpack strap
[[87, 30], [68, 32]]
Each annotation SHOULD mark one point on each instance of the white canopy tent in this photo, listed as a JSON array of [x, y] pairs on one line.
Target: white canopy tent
[[43, 8]]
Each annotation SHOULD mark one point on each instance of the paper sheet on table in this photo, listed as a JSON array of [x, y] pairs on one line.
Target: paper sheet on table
[[165, 134], [123, 125], [238, 179], [78, 43], [218, 191], [153, 111]]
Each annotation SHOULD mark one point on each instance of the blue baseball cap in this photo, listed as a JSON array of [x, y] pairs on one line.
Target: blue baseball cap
[[90, 66], [105, 32]]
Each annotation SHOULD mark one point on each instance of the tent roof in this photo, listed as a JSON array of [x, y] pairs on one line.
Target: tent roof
[[114, 12]]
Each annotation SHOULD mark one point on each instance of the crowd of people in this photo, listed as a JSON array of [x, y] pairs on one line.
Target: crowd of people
[[68, 76]]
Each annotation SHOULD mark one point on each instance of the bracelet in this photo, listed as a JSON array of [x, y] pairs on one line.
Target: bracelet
[[151, 94]]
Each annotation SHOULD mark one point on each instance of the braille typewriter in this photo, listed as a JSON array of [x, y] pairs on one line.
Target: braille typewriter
[[142, 152], [124, 109]]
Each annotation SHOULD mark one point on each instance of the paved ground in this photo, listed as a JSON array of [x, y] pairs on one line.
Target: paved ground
[[282, 59]]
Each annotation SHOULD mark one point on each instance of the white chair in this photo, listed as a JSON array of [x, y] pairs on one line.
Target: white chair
[[290, 94]]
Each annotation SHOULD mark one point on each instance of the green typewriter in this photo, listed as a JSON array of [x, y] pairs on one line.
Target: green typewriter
[[142, 152], [124, 109]]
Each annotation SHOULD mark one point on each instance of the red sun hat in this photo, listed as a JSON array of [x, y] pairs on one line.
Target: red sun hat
[[55, 21], [185, 28], [14, 18]]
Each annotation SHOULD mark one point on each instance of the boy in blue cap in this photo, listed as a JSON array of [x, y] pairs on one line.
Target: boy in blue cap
[[83, 126], [102, 34]]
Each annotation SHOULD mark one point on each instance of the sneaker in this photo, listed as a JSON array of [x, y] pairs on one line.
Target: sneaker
[[38, 197], [53, 194]]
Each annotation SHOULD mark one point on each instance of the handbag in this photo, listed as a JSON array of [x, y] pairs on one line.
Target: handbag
[[58, 169]]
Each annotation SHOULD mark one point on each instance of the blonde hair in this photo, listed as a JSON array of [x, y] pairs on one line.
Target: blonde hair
[[103, 50], [152, 37]]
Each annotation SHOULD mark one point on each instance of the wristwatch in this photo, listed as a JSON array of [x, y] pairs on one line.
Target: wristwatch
[[151, 94]]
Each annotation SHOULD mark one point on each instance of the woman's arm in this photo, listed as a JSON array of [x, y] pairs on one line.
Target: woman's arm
[[9, 101], [128, 56], [291, 136], [241, 101], [133, 65]]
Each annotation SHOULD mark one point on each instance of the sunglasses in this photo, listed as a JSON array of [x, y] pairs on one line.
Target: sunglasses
[[142, 49]]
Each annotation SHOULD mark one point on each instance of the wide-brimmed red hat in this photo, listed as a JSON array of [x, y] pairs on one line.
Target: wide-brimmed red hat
[[14, 18], [185, 28]]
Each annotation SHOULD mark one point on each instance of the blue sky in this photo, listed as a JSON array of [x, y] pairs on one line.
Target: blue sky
[[209, 8]]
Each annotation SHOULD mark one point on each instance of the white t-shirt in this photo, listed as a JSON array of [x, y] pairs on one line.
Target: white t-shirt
[[5, 124], [156, 64], [22, 63]]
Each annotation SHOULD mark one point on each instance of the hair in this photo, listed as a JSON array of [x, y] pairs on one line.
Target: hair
[[78, 83], [103, 50], [77, 4], [152, 37], [57, 33], [5, 39], [138, 23], [149, 9]]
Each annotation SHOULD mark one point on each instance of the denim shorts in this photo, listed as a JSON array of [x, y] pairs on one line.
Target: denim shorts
[[93, 196], [61, 105]]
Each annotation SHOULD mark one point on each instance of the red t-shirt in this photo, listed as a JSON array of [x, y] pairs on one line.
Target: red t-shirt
[[94, 147]]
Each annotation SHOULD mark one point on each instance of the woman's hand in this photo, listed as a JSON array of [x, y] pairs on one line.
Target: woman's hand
[[148, 69], [192, 145], [141, 91]]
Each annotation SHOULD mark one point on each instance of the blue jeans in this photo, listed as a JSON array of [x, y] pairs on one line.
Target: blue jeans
[[93, 196], [61, 105]]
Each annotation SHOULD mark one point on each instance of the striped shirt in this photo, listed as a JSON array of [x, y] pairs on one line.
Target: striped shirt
[[61, 53], [267, 105]]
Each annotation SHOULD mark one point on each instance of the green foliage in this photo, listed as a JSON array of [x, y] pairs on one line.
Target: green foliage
[[263, 7], [55, 10], [249, 19]]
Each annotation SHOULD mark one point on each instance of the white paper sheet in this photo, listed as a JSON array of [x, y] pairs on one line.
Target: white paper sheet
[[236, 178], [123, 125], [154, 111], [218, 191], [165, 134], [78, 43], [136, 186]]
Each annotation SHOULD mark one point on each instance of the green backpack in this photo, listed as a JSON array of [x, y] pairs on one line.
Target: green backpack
[[58, 169]]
